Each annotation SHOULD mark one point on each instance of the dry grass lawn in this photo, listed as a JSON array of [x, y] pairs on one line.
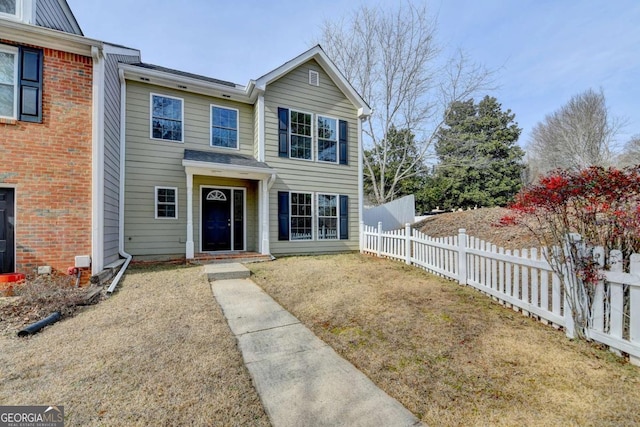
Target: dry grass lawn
[[447, 352], [158, 352]]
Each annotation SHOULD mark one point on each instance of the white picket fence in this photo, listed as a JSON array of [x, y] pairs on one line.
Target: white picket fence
[[522, 279]]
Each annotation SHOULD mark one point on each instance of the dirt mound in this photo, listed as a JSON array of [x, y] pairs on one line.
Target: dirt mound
[[483, 223]]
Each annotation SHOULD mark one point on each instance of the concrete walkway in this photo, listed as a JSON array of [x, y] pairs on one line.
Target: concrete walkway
[[300, 379]]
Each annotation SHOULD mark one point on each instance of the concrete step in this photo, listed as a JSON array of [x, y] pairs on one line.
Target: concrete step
[[226, 271]]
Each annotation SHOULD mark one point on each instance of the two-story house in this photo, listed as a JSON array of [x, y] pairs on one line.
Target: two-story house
[[59, 140], [273, 167]]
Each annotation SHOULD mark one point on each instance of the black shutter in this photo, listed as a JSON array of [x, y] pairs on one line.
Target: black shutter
[[283, 132], [344, 217], [344, 137], [30, 85], [283, 215]]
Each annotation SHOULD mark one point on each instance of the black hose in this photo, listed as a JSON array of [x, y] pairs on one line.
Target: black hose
[[35, 327]]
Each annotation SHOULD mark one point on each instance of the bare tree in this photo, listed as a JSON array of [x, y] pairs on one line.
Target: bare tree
[[392, 60], [578, 135], [630, 155]]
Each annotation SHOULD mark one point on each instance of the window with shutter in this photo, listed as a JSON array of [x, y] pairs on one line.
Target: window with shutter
[[21, 83], [30, 73]]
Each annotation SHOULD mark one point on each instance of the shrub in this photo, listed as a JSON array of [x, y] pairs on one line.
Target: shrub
[[602, 206]]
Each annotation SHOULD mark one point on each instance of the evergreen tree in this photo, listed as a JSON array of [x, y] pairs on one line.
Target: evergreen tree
[[480, 162]]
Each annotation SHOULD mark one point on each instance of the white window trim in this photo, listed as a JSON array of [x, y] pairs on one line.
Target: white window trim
[[313, 216], [337, 140], [159, 187], [13, 50], [317, 222], [18, 15], [237, 147], [313, 157], [151, 95]]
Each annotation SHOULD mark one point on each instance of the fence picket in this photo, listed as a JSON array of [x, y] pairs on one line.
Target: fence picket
[[523, 279]]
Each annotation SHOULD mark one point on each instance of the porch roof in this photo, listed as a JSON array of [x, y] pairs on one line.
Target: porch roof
[[231, 165]]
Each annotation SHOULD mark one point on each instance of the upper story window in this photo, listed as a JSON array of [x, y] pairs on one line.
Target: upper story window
[[167, 118], [296, 138], [224, 127], [8, 82], [301, 140], [21, 83], [327, 139], [10, 7]]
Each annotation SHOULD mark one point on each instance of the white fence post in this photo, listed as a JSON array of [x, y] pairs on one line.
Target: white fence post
[[362, 237], [597, 319], [462, 256], [407, 243], [634, 308], [379, 246]]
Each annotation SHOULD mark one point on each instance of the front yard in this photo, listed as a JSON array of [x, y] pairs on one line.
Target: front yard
[[447, 352], [159, 352]]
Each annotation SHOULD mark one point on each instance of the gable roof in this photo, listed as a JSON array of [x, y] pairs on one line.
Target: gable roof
[[167, 77], [328, 66]]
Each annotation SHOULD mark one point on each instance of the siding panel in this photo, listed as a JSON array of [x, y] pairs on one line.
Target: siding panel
[[112, 155], [293, 91], [151, 163], [50, 14]]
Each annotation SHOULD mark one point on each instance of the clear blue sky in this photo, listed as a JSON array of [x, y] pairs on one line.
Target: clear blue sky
[[545, 51]]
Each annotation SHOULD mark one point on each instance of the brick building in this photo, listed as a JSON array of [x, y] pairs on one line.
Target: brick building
[[54, 134]]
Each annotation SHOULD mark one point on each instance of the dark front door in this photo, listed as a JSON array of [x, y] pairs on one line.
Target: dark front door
[[216, 219], [7, 249]]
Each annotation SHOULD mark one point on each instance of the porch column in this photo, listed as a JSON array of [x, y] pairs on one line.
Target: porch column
[[190, 252], [264, 220]]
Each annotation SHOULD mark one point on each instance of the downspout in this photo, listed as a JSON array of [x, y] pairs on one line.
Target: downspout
[[97, 162], [360, 176], [121, 251]]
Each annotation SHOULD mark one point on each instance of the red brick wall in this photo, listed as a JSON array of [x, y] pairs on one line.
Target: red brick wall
[[50, 165]]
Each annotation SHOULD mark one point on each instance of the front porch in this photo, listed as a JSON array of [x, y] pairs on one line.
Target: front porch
[[227, 206]]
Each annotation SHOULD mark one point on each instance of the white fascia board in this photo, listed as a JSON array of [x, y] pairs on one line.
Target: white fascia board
[[188, 84], [328, 66], [216, 169], [110, 49], [45, 37]]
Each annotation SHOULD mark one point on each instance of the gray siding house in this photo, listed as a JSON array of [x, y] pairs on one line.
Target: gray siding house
[[273, 167]]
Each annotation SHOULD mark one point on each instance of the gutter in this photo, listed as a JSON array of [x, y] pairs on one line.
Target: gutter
[[121, 251]]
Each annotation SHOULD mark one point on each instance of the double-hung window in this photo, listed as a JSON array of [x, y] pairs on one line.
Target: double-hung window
[[9, 7], [327, 217], [224, 127], [297, 140], [327, 139], [167, 118], [166, 203], [21, 83], [301, 136], [308, 216], [8, 81], [301, 216]]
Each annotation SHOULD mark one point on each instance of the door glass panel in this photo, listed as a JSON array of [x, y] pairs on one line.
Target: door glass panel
[[238, 220]]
